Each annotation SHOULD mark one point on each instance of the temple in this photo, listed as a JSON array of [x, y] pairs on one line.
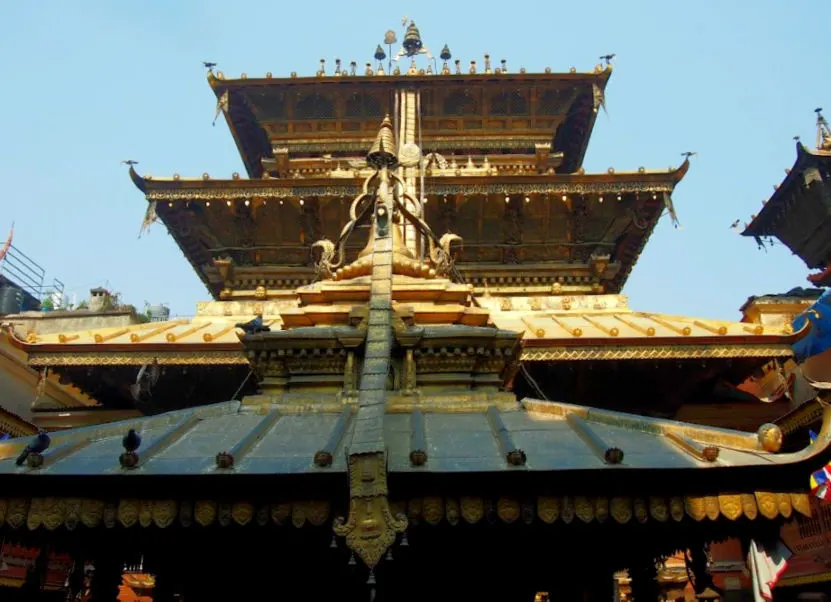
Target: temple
[[417, 358]]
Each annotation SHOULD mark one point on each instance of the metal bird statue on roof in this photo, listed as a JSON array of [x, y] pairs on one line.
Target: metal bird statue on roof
[[208, 65], [38, 445], [607, 58], [148, 376], [689, 154], [253, 326], [131, 441], [129, 162]]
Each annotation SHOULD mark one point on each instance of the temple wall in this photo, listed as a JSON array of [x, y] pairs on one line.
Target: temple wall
[[69, 321]]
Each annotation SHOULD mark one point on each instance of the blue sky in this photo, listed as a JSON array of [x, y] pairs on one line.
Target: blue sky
[[87, 84]]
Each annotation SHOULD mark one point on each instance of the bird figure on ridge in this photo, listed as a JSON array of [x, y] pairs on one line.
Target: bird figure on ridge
[[130, 162], [208, 65], [735, 225], [131, 441], [148, 376], [253, 326], [38, 445]]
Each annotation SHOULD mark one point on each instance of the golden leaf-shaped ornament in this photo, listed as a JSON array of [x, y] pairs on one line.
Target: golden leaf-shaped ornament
[[548, 509], [621, 509], [205, 512], [128, 512], [473, 509], [730, 506]]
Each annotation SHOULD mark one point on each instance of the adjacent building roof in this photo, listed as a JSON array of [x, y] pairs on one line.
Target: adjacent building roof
[[799, 211]]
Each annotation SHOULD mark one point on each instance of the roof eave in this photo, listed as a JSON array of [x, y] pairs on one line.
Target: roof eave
[[758, 225]]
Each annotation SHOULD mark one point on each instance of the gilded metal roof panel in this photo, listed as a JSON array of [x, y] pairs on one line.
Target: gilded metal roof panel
[[575, 326]]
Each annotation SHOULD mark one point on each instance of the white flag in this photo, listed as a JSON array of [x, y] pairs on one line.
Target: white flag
[[766, 567]]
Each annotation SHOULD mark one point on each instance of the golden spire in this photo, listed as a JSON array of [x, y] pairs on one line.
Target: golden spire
[[382, 153]]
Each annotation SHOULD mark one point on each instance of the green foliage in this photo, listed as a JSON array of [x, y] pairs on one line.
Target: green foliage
[[47, 304]]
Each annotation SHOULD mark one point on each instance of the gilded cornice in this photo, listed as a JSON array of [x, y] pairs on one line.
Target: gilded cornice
[[272, 188], [219, 82], [53, 512], [648, 350], [137, 357]]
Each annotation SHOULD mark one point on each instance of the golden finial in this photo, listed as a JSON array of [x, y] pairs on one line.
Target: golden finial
[[322, 70], [412, 40], [337, 67], [268, 75], [504, 66], [473, 67], [458, 67], [368, 70], [382, 153], [488, 64]]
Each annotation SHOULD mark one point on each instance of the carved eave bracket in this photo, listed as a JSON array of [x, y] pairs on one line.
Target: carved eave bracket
[[279, 164], [371, 528], [546, 160], [225, 267]]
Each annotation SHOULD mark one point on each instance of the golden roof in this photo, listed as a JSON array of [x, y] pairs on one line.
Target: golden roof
[[553, 328]]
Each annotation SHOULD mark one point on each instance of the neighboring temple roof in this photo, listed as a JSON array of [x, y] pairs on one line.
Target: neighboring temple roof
[[797, 214], [577, 443], [765, 222], [798, 294], [261, 111]]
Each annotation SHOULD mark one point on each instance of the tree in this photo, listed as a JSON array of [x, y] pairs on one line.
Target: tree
[[47, 304]]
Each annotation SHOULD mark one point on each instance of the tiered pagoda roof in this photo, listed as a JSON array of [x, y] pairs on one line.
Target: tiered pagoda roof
[[502, 154]]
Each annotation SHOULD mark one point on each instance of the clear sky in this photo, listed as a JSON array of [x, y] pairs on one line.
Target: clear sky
[[86, 84]]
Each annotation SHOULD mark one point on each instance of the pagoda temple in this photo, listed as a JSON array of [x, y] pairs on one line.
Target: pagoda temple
[[417, 358]]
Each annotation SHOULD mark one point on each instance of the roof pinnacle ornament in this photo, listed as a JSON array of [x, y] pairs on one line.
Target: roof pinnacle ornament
[[823, 132], [412, 40], [382, 153], [412, 45]]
